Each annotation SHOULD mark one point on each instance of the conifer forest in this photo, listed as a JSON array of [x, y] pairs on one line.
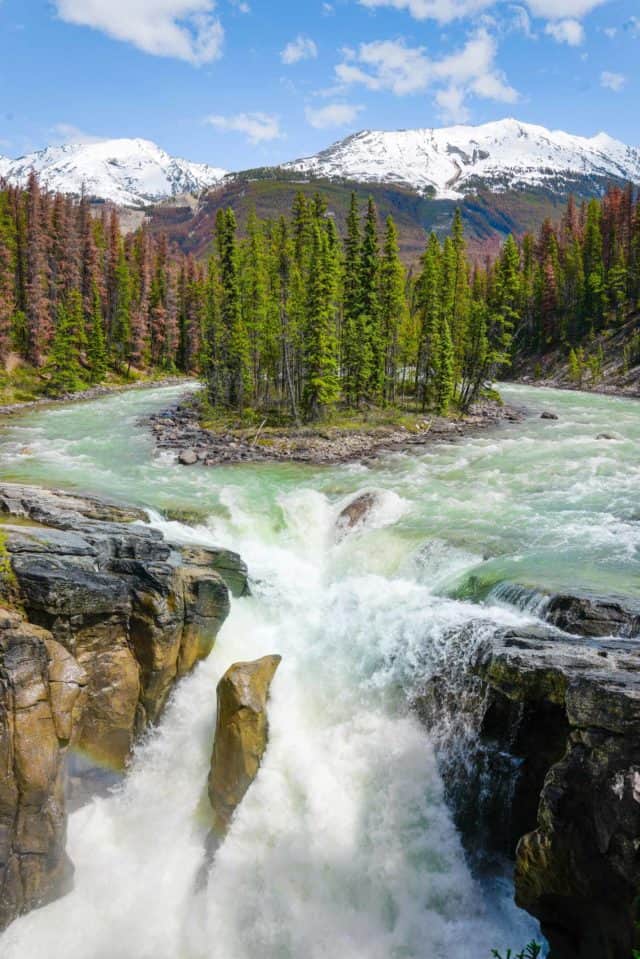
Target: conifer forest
[[290, 316]]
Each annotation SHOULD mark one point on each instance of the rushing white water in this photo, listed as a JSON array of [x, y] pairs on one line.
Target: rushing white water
[[343, 847]]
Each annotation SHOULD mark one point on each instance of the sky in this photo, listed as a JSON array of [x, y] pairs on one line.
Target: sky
[[246, 83]]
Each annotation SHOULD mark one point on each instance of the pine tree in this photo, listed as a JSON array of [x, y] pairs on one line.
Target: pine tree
[[393, 306], [352, 305], [96, 345], [445, 369], [321, 388], [63, 365]]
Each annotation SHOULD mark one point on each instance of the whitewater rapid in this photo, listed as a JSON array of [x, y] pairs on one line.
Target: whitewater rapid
[[344, 847]]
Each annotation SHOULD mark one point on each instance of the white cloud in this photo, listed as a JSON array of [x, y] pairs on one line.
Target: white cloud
[[333, 115], [612, 81], [68, 133], [566, 31], [257, 127], [302, 48], [445, 11], [563, 9], [185, 29], [392, 65]]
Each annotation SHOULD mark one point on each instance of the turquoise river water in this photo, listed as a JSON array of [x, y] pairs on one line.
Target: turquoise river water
[[344, 848]]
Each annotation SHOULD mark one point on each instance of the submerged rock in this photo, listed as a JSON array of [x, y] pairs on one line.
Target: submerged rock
[[41, 693], [240, 739]]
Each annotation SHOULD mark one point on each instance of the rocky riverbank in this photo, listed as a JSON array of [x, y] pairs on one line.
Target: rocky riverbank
[[178, 431], [105, 618]]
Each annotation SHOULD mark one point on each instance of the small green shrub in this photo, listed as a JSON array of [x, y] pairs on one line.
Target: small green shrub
[[532, 951]]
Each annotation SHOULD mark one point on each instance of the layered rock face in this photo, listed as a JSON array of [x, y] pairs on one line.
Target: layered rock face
[[579, 870], [240, 739], [42, 692], [110, 617], [132, 611], [555, 759]]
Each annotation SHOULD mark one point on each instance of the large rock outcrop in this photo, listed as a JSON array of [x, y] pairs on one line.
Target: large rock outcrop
[[578, 871], [550, 774], [241, 738], [42, 690], [133, 611]]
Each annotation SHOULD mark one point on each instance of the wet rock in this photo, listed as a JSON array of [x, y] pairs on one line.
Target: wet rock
[[577, 868], [584, 616], [133, 612], [188, 457], [548, 415], [241, 737], [229, 565], [608, 436], [356, 512], [41, 695]]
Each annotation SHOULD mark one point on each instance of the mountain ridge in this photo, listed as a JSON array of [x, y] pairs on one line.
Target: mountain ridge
[[451, 162], [130, 172]]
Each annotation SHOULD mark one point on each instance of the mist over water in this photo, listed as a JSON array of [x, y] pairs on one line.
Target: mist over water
[[344, 847]]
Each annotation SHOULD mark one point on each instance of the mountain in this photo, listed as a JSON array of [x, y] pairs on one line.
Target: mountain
[[452, 162], [130, 173]]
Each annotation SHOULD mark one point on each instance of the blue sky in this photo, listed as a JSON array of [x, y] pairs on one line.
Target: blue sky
[[241, 83]]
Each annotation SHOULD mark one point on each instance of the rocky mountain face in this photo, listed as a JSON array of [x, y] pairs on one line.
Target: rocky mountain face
[[130, 173], [452, 162], [110, 617]]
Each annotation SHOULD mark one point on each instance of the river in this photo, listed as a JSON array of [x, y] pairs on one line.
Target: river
[[344, 848]]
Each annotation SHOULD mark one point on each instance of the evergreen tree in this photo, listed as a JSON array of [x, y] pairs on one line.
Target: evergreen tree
[[393, 306], [63, 365], [96, 345], [321, 387]]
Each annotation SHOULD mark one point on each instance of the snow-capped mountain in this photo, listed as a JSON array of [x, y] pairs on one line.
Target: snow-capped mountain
[[127, 172], [454, 161]]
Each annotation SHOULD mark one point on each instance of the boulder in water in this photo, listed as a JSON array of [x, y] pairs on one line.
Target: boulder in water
[[241, 737], [548, 415], [188, 458], [356, 512]]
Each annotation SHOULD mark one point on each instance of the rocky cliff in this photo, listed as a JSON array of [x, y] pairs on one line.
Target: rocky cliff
[[550, 774], [111, 615]]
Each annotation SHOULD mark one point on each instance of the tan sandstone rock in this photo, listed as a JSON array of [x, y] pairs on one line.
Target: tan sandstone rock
[[241, 736]]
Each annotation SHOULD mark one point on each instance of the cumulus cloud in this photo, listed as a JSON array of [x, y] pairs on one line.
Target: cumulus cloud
[[612, 81], [184, 29], [445, 11], [566, 31], [302, 48], [392, 65], [257, 127], [332, 115]]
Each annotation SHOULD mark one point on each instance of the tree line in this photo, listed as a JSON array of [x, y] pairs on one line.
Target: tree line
[[293, 317], [78, 298], [579, 277]]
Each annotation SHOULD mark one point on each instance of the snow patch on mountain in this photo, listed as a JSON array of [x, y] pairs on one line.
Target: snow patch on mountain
[[130, 173], [454, 161]]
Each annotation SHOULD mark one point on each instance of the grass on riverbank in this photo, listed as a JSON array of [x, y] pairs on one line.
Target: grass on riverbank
[[25, 384]]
